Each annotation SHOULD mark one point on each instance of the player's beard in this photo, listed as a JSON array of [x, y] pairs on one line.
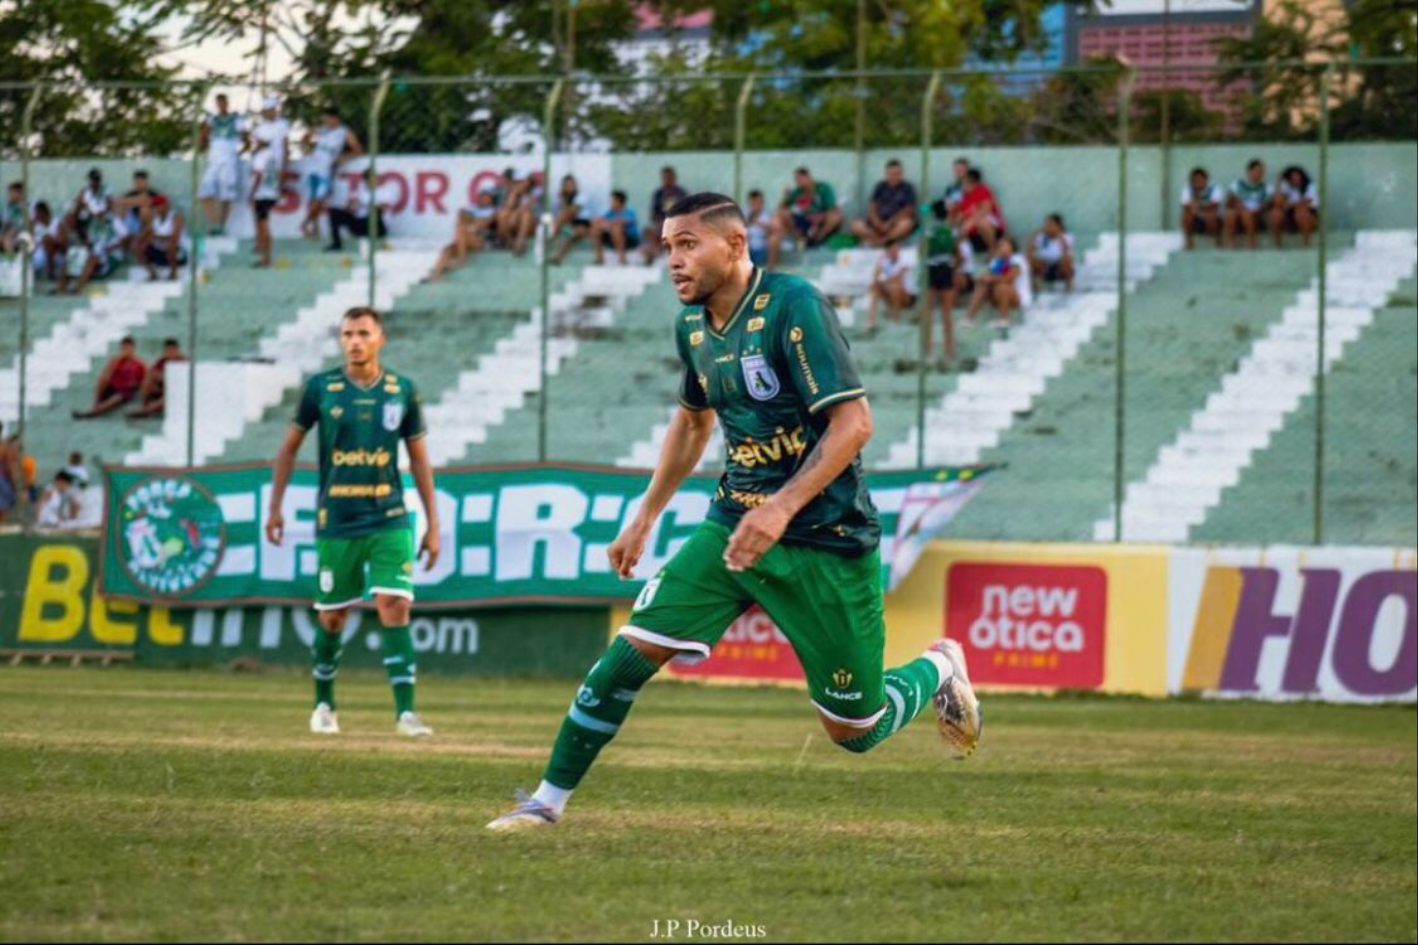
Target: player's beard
[[706, 285]]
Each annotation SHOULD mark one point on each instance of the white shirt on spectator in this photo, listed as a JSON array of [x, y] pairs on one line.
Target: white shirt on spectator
[[1253, 197], [758, 231], [1209, 195], [57, 509], [888, 269], [274, 132], [268, 164], [1050, 250], [1293, 195]]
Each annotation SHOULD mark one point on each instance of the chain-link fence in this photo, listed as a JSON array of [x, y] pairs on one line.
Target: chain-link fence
[[1113, 283]]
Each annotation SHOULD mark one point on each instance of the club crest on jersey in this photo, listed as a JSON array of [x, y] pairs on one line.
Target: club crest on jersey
[[393, 414], [759, 378]]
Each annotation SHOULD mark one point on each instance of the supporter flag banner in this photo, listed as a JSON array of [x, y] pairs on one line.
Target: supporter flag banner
[[510, 534]]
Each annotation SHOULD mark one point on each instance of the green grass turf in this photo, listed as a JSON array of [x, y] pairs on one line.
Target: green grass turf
[[165, 805]]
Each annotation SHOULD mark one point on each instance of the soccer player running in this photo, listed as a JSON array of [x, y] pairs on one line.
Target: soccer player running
[[791, 527], [363, 411]]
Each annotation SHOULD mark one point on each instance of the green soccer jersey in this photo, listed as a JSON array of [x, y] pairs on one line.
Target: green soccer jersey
[[779, 361], [940, 242], [822, 199], [361, 491]]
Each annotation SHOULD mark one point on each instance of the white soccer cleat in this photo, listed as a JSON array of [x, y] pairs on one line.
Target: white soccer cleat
[[528, 813], [324, 721], [957, 711], [410, 724]]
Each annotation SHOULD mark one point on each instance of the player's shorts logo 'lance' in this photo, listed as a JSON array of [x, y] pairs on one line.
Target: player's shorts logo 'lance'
[[841, 679], [759, 378]]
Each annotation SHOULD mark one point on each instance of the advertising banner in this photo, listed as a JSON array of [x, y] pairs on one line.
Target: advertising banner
[[510, 534]]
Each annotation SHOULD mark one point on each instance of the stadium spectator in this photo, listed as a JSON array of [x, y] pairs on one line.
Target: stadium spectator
[[135, 207], [118, 382], [92, 252], [760, 225], [1297, 205], [979, 216], [616, 228], [474, 228], [367, 198], [955, 190], [891, 282], [1251, 196], [274, 130], [326, 149], [572, 223], [161, 241], [516, 211], [1004, 283], [891, 211], [16, 218], [77, 470], [58, 506], [11, 477], [221, 138], [1051, 253], [150, 394], [943, 272], [265, 193], [92, 200], [49, 247], [809, 211], [665, 196], [1201, 207]]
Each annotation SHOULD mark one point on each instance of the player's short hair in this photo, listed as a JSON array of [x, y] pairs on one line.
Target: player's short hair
[[710, 207], [363, 311]]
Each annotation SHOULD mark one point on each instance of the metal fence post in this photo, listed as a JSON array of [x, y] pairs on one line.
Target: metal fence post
[[1323, 255], [922, 276], [26, 129], [199, 97], [1120, 342], [548, 121], [375, 106], [740, 133]]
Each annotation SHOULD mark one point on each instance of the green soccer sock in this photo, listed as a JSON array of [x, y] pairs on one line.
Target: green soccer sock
[[601, 705], [325, 653], [908, 690], [399, 664]]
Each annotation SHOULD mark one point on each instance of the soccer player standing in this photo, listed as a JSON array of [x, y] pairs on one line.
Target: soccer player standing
[[791, 527], [363, 411]]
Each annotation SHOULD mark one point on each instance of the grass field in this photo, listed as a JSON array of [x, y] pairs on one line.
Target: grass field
[[174, 805]]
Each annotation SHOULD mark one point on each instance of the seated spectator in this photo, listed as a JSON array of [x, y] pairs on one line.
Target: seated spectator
[[892, 281], [474, 228], [1297, 205], [955, 191], [366, 198], [1005, 283], [517, 202], [118, 382], [979, 216], [1051, 253], [809, 212], [92, 201], [150, 394], [160, 243], [572, 223], [15, 219], [11, 477], [59, 504], [760, 224], [49, 245], [135, 207], [92, 252], [616, 228], [1201, 208], [265, 193], [891, 212], [77, 470], [944, 272], [1251, 196], [665, 196]]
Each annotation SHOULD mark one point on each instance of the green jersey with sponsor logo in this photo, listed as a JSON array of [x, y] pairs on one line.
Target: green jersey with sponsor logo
[[779, 361], [360, 429]]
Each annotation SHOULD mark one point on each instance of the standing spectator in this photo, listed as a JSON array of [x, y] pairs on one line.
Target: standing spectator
[[59, 505], [760, 225], [92, 252], [571, 224], [150, 394], [955, 190], [891, 212], [160, 243], [809, 211], [367, 198], [943, 271], [1297, 205], [1051, 253], [16, 217], [222, 133], [615, 228], [1251, 196], [328, 148], [665, 196], [475, 227], [1201, 208], [980, 218], [892, 282], [11, 476], [49, 246], [1004, 283], [118, 382], [136, 205], [265, 193], [274, 130]]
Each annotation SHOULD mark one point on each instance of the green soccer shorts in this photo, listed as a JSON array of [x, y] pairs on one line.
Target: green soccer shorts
[[828, 606], [387, 556]]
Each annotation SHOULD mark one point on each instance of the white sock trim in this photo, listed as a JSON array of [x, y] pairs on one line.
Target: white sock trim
[[944, 668], [552, 796]]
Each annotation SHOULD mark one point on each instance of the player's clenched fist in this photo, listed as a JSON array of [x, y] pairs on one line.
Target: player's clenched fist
[[275, 527]]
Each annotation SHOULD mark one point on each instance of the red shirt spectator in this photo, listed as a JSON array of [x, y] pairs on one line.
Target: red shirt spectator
[[980, 216], [126, 374], [118, 383]]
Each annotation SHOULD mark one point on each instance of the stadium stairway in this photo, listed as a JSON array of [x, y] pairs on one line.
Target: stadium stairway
[[1188, 476], [268, 353], [1187, 327]]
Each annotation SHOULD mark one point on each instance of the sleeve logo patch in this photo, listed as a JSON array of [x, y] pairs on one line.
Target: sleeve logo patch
[[795, 335], [696, 338], [760, 303], [755, 324]]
